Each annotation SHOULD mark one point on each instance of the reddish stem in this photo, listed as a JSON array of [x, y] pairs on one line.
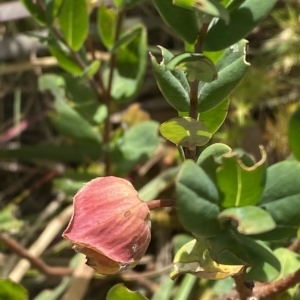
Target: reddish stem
[[154, 204]]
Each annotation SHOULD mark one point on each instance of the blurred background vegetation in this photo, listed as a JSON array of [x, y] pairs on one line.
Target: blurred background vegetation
[[41, 166]]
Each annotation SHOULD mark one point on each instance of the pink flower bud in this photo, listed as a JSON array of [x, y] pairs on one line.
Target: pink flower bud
[[110, 224]]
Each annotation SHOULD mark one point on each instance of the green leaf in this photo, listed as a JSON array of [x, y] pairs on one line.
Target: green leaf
[[130, 65], [281, 198], [106, 23], [140, 140], [215, 152], [74, 21], [125, 4], [210, 7], [10, 290], [173, 85], [290, 263], [63, 153], [194, 258], [196, 65], [231, 69], [244, 16], [241, 185], [35, 11], [215, 117], [185, 288], [183, 21], [136, 146], [250, 219], [66, 62], [294, 133], [230, 247], [165, 290], [8, 221], [52, 8], [197, 200], [180, 239], [71, 124], [186, 132], [119, 291]]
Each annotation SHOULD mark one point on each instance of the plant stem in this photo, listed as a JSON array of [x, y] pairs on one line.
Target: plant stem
[[107, 95], [273, 289], [154, 204], [243, 291]]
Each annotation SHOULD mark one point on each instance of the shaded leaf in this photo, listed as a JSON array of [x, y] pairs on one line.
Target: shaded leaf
[[35, 11], [196, 65], [197, 199], [186, 132], [210, 7], [68, 122], [119, 291], [183, 21], [105, 209], [241, 185], [244, 16], [130, 65], [234, 248], [73, 21], [63, 153], [172, 85], [250, 219], [281, 198], [231, 68]]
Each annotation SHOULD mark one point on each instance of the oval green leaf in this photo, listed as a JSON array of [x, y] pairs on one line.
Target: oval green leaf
[[241, 185], [210, 7], [186, 132], [232, 66], [119, 291], [183, 21], [73, 21], [244, 16], [106, 23], [196, 65], [250, 219]]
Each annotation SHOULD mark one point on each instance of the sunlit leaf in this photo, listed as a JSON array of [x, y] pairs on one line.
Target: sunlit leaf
[[73, 21], [294, 133], [186, 132], [8, 221], [119, 291], [194, 258], [241, 185], [10, 290], [250, 219]]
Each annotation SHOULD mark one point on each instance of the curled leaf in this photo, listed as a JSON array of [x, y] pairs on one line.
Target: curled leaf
[[110, 224]]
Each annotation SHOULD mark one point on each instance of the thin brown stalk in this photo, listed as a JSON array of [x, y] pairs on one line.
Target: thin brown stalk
[[154, 204], [35, 261]]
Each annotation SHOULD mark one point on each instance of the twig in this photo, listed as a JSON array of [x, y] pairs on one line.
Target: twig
[[35, 261], [273, 289], [243, 291], [107, 95], [154, 204], [295, 246], [43, 62], [50, 232]]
